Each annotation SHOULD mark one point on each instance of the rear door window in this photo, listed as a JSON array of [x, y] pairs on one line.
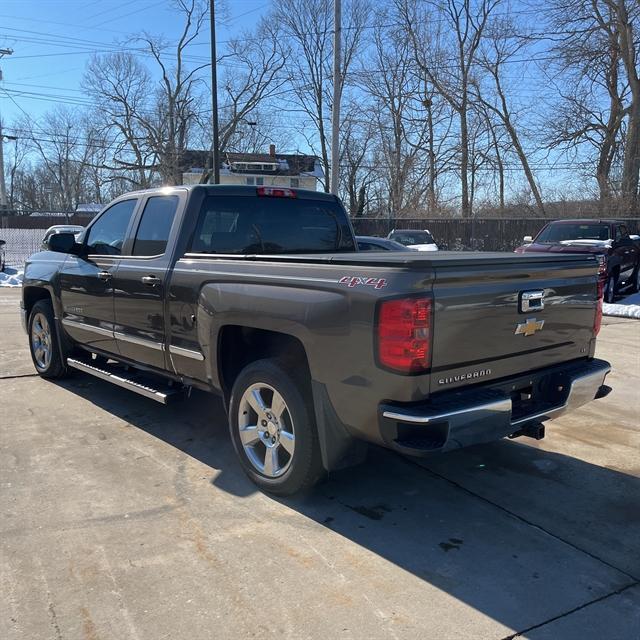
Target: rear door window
[[155, 226], [246, 225]]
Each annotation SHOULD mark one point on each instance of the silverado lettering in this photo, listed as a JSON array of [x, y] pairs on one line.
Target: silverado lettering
[[465, 376]]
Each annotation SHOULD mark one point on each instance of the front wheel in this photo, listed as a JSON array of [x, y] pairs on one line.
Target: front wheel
[[610, 289], [636, 279], [43, 341], [273, 430]]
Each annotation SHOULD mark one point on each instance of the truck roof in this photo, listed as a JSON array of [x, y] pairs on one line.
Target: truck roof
[[232, 190]]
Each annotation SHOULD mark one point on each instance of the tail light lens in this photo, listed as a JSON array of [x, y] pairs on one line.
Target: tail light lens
[[597, 322], [404, 334], [602, 266]]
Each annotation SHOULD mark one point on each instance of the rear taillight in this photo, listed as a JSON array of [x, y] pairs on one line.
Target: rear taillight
[[404, 334], [276, 192], [602, 266], [597, 321]]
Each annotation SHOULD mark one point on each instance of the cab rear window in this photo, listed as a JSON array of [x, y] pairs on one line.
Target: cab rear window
[[246, 225]]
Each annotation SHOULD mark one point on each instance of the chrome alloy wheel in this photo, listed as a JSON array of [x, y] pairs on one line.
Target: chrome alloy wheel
[[41, 341], [266, 430]]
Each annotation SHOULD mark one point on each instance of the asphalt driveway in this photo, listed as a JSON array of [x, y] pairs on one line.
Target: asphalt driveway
[[121, 518]]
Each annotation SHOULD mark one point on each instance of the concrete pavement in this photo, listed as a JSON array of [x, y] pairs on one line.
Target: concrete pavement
[[125, 519]]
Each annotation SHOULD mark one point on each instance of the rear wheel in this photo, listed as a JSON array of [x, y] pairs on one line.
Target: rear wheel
[[43, 341], [610, 289], [273, 430]]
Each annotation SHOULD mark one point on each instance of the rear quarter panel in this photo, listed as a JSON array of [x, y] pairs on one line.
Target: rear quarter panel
[[334, 323]]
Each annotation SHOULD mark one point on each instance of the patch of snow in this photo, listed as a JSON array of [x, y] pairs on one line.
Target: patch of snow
[[11, 277], [628, 307]]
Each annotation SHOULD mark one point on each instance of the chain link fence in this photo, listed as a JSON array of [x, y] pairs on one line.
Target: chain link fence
[[23, 234], [456, 234]]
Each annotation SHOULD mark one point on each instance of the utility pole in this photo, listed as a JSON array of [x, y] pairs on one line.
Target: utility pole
[[215, 150], [337, 91], [3, 186]]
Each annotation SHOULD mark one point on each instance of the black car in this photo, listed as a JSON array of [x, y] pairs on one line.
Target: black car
[[371, 243], [3, 257]]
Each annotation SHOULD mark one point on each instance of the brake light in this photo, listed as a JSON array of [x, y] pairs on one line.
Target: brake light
[[602, 266], [276, 192], [597, 322], [404, 334]]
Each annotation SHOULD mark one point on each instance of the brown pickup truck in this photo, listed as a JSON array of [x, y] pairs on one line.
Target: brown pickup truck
[[260, 295]]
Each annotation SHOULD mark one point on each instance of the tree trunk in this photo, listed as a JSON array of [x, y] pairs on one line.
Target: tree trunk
[[464, 161], [631, 164], [431, 193]]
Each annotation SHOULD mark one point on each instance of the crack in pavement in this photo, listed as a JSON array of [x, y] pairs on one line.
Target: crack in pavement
[[518, 634], [19, 375], [635, 579]]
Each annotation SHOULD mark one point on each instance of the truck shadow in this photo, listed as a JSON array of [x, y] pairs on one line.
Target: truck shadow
[[517, 532]]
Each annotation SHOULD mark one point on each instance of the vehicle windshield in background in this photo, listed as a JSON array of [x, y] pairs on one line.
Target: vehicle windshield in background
[[569, 231], [232, 225], [412, 237]]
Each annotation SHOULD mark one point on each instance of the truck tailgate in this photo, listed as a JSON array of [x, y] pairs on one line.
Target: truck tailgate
[[483, 331]]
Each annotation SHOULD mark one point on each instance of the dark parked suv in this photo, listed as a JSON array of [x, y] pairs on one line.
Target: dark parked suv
[[609, 240]]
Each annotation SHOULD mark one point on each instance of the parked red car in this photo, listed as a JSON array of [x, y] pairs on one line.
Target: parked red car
[[610, 239]]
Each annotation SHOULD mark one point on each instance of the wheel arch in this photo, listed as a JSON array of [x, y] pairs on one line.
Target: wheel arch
[[239, 346], [33, 294]]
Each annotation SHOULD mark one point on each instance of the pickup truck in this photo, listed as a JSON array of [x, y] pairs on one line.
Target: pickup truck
[[609, 240], [260, 295]]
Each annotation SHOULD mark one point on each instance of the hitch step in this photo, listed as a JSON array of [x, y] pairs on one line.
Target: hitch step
[[133, 380]]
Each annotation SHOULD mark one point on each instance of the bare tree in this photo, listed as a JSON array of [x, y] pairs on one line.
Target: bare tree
[[499, 46], [58, 145], [254, 78], [309, 26], [120, 85], [357, 171], [599, 90], [625, 11], [447, 55]]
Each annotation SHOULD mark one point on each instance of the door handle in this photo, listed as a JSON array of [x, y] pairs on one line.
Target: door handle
[[150, 281], [104, 275]]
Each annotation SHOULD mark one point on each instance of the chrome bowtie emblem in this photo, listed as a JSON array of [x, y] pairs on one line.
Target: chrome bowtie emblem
[[529, 327]]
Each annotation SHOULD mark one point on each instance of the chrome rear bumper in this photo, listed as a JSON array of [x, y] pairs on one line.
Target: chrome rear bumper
[[489, 413]]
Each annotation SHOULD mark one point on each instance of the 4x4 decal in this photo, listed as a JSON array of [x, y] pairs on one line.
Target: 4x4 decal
[[353, 281]]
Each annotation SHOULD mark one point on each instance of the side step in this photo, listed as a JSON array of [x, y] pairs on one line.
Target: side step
[[132, 380]]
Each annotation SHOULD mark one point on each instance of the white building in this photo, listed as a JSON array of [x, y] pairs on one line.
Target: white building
[[269, 169]]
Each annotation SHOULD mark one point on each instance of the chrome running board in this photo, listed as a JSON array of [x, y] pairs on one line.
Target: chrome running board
[[132, 380]]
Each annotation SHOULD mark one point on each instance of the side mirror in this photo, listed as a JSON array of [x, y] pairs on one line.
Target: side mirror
[[528, 239], [2, 243], [61, 242]]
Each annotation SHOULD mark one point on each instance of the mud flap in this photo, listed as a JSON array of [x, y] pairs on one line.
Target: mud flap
[[339, 450]]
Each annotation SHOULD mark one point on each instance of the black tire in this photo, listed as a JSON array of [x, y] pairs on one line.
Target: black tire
[[635, 288], [610, 288], [43, 338], [303, 468]]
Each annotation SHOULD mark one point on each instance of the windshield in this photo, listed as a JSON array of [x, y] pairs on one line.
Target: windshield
[[412, 237], [233, 225], [573, 231]]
